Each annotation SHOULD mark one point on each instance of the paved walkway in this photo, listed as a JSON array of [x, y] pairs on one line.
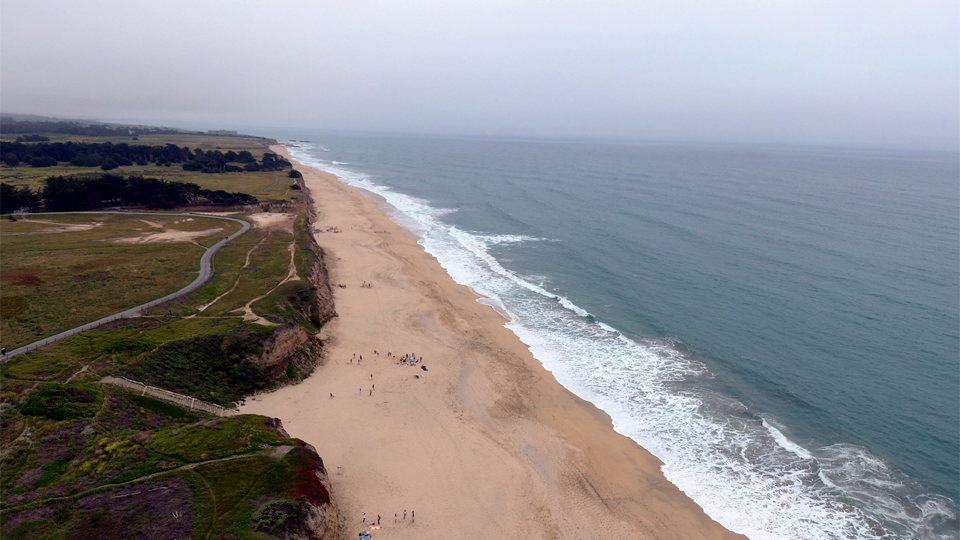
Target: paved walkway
[[206, 270]]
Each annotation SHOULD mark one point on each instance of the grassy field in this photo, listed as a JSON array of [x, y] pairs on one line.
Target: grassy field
[[225, 143], [269, 259], [262, 185], [257, 184], [113, 345], [250, 267], [60, 271]]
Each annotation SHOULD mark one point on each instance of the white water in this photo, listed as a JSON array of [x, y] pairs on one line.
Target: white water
[[743, 471]]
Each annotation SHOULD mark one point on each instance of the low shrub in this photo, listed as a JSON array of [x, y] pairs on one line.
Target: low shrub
[[63, 402]]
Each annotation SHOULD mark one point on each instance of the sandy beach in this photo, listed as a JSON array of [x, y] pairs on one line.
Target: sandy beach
[[485, 444]]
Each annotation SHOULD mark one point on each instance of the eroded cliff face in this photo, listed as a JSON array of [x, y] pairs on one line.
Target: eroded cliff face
[[321, 280], [290, 345]]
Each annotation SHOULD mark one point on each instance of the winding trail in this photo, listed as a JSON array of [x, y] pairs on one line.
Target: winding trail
[[276, 180], [206, 270]]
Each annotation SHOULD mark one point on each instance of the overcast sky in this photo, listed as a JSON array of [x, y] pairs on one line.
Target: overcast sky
[[825, 72]]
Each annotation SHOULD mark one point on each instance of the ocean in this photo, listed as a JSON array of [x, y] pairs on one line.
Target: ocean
[[778, 325]]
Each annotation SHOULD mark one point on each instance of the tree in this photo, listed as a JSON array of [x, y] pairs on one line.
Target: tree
[[109, 164], [13, 198], [11, 160]]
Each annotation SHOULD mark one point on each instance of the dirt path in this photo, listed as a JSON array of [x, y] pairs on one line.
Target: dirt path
[[246, 263], [248, 314]]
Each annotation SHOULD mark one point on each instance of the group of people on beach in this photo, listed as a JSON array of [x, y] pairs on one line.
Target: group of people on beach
[[410, 360], [405, 360], [366, 285], [376, 524], [328, 229]]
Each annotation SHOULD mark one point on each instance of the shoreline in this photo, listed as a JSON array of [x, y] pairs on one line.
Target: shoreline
[[488, 444]]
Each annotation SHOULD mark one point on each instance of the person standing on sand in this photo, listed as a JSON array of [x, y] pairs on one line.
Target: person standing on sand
[[378, 519], [364, 517], [404, 514]]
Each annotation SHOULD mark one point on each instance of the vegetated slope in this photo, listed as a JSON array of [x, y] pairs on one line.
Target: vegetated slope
[[83, 459], [79, 460]]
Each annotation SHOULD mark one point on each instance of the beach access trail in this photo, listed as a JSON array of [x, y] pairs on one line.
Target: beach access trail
[[486, 444], [206, 270]]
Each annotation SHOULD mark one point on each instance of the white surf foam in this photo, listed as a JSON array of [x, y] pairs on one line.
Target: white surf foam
[[744, 473], [786, 443]]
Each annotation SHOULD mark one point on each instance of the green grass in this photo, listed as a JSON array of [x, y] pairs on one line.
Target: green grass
[[54, 281], [190, 139], [212, 368], [214, 439], [164, 408], [131, 337], [269, 262], [226, 268], [251, 183], [63, 402], [239, 488]]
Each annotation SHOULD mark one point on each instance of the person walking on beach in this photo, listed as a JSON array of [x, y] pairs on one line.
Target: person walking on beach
[[378, 519], [404, 514], [413, 515], [364, 517]]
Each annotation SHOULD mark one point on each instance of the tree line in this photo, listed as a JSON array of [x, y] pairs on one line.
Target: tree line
[[108, 156], [11, 126], [72, 193]]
